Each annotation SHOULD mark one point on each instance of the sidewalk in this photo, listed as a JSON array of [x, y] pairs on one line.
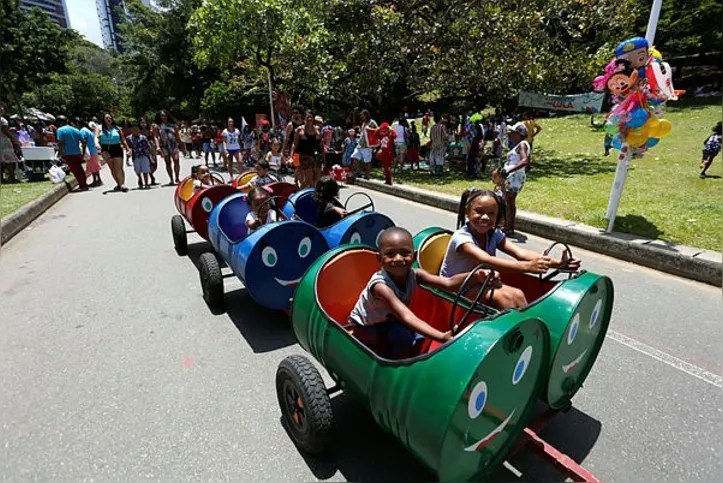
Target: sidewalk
[[684, 261]]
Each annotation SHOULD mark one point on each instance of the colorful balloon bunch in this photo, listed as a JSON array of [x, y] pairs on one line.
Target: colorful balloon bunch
[[640, 83]]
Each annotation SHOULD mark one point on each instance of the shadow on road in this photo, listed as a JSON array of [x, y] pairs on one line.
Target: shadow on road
[[264, 330], [361, 451]]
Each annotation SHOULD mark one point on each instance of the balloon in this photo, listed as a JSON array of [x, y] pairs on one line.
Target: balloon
[[653, 126], [653, 141], [665, 128], [637, 118], [637, 137], [618, 141], [611, 129]]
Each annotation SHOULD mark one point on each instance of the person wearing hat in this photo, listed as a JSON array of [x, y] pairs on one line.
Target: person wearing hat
[[70, 150], [518, 158]]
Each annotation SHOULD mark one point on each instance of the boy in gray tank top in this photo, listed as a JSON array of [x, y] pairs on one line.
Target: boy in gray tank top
[[384, 303]]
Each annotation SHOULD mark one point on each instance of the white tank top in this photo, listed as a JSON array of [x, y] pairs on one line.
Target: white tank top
[[513, 156]]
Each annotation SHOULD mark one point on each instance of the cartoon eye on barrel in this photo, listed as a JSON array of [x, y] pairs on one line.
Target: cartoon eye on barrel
[[572, 331], [595, 313], [269, 257], [304, 247], [522, 364], [379, 235], [206, 204], [355, 238]]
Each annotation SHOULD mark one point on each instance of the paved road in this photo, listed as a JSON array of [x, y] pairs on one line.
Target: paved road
[[113, 368]]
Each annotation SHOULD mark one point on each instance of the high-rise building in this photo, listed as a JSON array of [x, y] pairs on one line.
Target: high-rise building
[[110, 16], [56, 10]]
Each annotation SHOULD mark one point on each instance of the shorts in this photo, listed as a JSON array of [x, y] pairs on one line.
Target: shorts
[[92, 163], [207, 148], [710, 153], [73, 158], [113, 150], [397, 340], [400, 148], [436, 158], [168, 151], [306, 161], [413, 155], [362, 154], [142, 164], [220, 147], [233, 152]]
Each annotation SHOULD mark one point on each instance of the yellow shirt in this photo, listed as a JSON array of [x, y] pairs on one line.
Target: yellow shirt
[[531, 126]]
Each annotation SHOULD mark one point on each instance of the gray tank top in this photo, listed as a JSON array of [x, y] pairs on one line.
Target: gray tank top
[[369, 310]]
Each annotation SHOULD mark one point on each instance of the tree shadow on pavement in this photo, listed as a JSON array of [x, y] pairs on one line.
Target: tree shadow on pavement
[[361, 451]]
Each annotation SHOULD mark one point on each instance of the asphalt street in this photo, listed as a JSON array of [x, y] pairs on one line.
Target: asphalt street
[[113, 368]]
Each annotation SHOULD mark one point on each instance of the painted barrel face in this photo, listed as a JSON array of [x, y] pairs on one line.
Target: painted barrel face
[[363, 228], [577, 314], [273, 259], [459, 408], [199, 207], [497, 402], [305, 206]]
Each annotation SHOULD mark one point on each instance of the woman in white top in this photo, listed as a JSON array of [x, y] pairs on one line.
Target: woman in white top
[[232, 147], [400, 143], [518, 158]]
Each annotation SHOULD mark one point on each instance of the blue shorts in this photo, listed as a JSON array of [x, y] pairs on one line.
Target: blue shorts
[[207, 148], [232, 152], [399, 338]]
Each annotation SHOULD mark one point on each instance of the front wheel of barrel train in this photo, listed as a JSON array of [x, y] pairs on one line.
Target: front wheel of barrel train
[[211, 280], [305, 404], [178, 230]]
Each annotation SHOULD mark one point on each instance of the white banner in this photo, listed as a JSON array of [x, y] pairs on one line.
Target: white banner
[[590, 102]]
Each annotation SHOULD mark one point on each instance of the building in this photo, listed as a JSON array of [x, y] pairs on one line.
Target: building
[[56, 10], [110, 16]]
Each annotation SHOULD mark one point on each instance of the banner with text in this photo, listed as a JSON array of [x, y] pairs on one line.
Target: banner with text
[[590, 102]]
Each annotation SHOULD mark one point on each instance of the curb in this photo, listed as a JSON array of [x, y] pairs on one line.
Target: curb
[[681, 260], [15, 222]]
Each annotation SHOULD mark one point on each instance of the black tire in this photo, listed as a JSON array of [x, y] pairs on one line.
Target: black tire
[[178, 230], [305, 404], [211, 280]]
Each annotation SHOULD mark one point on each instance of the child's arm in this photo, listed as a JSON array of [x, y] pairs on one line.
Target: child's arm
[[447, 283], [402, 313], [537, 265], [254, 223], [538, 261]]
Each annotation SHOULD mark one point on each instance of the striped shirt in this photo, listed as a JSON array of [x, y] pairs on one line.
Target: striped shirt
[[370, 310], [438, 135]]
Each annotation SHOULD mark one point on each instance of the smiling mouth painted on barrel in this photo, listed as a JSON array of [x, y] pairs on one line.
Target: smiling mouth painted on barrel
[[491, 437], [287, 283], [569, 367]]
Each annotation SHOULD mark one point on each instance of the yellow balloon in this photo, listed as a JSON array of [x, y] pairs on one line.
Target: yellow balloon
[[653, 125], [637, 137], [665, 128]]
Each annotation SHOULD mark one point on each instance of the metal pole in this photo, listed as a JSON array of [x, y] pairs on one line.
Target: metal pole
[[626, 154], [653, 21], [271, 102]]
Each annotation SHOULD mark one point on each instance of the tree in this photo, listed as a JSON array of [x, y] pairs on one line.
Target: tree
[[31, 50], [158, 66]]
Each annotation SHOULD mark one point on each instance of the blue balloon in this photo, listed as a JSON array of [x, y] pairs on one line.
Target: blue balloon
[[653, 141], [618, 141], [638, 118]]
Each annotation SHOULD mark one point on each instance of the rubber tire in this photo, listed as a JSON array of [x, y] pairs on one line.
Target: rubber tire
[[211, 280], [311, 388], [178, 230]]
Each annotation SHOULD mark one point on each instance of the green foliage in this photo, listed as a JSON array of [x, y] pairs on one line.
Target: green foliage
[[158, 65], [685, 28], [32, 48]]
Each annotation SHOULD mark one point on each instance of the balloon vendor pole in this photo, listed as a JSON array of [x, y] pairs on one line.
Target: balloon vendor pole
[[271, 103], [626, 155]]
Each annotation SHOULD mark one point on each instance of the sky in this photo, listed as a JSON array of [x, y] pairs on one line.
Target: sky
[[84, 18]]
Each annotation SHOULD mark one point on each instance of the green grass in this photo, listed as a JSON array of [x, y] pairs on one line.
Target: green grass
[[663, 198], [15, 195]]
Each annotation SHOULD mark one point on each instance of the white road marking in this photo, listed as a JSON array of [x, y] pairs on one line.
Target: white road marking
[[666, 358]]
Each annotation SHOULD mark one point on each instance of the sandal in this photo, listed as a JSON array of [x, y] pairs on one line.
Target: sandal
[[117, 188], [124, 189]]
